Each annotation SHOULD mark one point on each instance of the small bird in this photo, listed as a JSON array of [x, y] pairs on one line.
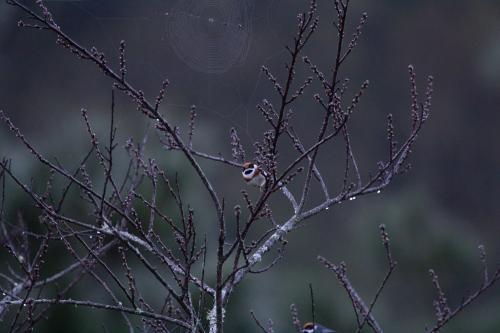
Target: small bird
[[254, 175], [316, 328]]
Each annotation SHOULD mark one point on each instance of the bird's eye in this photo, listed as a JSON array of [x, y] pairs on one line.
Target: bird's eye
[[248, 171]]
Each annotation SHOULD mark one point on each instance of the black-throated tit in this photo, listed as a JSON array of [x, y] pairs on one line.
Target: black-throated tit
[[316, 328]]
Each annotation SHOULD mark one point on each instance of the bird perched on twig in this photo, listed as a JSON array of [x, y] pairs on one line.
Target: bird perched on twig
[[316, 328], [254, 175]]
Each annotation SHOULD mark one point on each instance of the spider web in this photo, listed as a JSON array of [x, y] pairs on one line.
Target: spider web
[[211, 36], [211, 50]]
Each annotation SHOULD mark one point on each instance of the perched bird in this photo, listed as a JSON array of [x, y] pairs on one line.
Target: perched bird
[[316, 328], [254, 175]]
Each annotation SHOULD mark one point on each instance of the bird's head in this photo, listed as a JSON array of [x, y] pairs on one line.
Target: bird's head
[[316, 328]]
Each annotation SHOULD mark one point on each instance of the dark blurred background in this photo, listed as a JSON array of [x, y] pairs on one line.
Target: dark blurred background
[[436, 215]]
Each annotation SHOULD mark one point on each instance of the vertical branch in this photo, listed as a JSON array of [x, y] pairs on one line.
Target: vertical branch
[[219, 310], [192, 117], [123, 63], [295, 318], [306, 27], [313, 305]]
